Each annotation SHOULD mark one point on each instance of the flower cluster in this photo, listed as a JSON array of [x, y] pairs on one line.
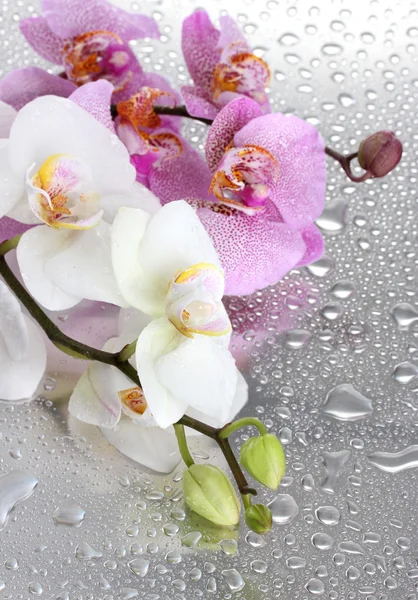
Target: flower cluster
[[113, 205]]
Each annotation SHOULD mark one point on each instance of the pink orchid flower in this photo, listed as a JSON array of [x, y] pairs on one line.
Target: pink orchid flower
[[258, 195], [222, 66], [90, 40]]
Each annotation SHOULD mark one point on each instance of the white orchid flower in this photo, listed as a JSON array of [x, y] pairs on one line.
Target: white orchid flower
[[66, 169], [107, 398], [166, 266], [22, 350], [7, 116]]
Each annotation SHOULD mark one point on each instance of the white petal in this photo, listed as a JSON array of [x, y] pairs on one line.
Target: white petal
[[201, 373], [95, 398], [13, 327], [130, 324], [22, 212], [35, 248], [19, 379], [138, 288], [240, 400], [11, 185], [152, 447], [84, 267], [7, 116], [51, 125], [137, 197], [159, 337]]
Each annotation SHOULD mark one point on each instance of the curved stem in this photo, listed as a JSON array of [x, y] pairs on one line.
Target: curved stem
[[345, 162], [182, 442], [8, 245], [246, 500], [127, 351], [245, 422]]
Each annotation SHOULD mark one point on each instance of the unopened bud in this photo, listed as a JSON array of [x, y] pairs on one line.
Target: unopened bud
[[380, 153], [259, 518], [208, 491], [263, 458]]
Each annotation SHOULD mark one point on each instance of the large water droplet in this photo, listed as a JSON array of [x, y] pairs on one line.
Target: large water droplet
[[288, 39], [315, 587], [405, 372], [296, 338], [331, 49], [404, 314], [284, 509], [191, 539], [342, 289], [322, 541], [395, 462], [85, 552], [351, 548], [328, 515], [296, 562], [321, 267], [332, 218], [333, 462], [14, 488], [233, 579], [344, 403], [69, 514]]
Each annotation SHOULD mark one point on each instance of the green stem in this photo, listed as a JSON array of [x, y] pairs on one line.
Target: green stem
[[182, 442], [246, 500], [245, 422], [8, 245], [127, 351]]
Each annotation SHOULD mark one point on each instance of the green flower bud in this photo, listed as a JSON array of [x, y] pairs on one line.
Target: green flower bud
[[259, 518], [208, 491], [263, 458]]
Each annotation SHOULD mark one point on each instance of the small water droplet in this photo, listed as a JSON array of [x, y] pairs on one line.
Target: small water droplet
[[284, 509], [351, 548], [228, 546], [343, 289], [321, 267], [332, 218], [322, 541], [233, 579], [191, 539], [296, 562], [296, 338], [328, 515], [139, 566], [85, 552], [315, 587]]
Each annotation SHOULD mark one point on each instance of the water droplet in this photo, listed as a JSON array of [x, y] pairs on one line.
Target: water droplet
[[328, 515], [315, 587], [171, 529], [331, 49], [352, 573], [255, 540], [308, 482], [395, 462], [332, 218], [195, 574], [331, 312], [405, 372], [404, 315], [259, 566], [351, 548], [284, 509], [288, 39], [344, 403], [35, 588], [11, 564], [211, 585], [343, 289], [228, 546], [15, 487], [322, 541], [404, 543], [69, 514], [333, 462], [139, 566], [285, 436], [173, 557], [321, 267], [296, 338], [85, 552], [346, 100], [233, 579], [191, 539], [296, 562]]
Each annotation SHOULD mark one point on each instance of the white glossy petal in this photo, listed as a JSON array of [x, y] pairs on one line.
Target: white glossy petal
[[201, 373], [19, 379], [137, 197], [152, 447], [51, 125], [130, 324], [95, 398], [158, 338], [22, 212], [239, 401], [36, 247], [11, 185], [137, 286], [84, 267], [7, 116], [13, 327]]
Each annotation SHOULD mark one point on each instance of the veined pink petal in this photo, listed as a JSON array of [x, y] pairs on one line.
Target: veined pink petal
[[229, 121], [299, 192], [74, 17], [45, 42], [21, 86], [95, 98]]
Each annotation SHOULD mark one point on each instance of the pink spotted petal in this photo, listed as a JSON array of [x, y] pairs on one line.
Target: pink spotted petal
[[70, 18], [186, 176], [153, 80], [95, 98], [133, 85], [314, 245], [228, 122], [200, 49], [230, 33], [21, 86], [197, 102], [39, 36], [299, 191], [255, 251], [9, 228], [143, 164]]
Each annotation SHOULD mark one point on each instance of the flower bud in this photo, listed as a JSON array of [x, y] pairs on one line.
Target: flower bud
[[263, 458], [259, 518], [208, 491], [380, 153]]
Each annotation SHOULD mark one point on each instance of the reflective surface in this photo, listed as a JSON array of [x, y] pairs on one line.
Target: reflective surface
[[330, 354]]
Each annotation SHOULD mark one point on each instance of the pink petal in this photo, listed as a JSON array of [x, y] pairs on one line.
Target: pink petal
[[314, 245], [230, 32], [96, 98], [197, 102], [255, 251], [229, 121], [9, 228], [153, 80], [21, 86], [200, 48], [39, 35], [134, 85], [299, 191], [186, 176], [73, 17]]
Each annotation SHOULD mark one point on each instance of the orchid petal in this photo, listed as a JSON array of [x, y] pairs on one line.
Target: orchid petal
[[149, 446], [230, 33], [36, 247], [95, 397], [40, 37], [95, 98], [137, 196], [11, 185], [130, 324], [21, 86], [197, 103], [7, 116], [9, 228], [13, 327], [314, 245]]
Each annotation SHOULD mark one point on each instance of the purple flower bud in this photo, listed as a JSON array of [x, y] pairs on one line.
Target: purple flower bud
[[380, 153]]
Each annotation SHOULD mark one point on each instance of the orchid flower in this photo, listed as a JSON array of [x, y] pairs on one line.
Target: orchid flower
[[22, 350], [222, 65], [258, 194], [65, 168], [90, 40], [166, 266]]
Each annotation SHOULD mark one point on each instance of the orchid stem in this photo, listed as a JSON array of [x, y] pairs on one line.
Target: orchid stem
[[117, 360], [245, 422], [183, 447], [127, 351]]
